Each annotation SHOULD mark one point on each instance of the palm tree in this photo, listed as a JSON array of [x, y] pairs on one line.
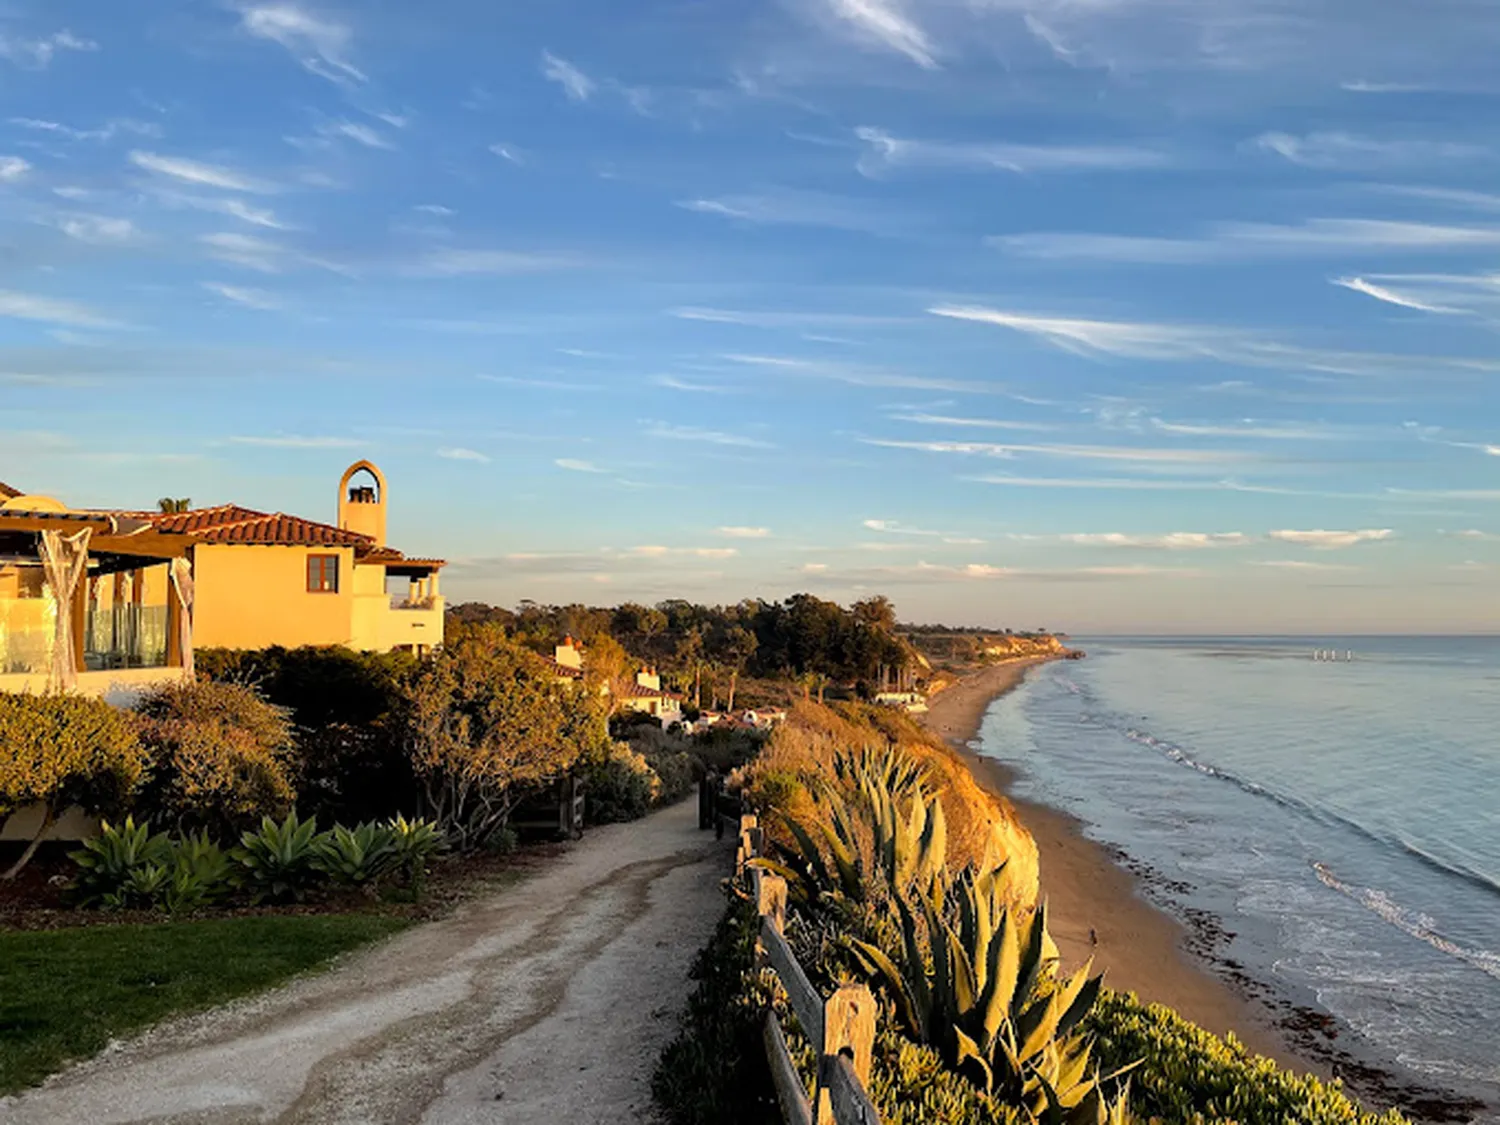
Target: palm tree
[[168, 506]]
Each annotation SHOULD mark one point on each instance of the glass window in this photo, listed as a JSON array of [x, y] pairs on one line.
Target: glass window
[[322, 574]]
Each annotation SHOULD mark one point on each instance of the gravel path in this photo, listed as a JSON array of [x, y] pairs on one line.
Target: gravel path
[[548, 1001]]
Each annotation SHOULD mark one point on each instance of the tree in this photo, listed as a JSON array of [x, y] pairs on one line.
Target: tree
[[487, 723], [739, 645], [64, 750], [168, 506]]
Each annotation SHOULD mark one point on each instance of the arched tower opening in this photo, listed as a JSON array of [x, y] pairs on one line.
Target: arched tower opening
[[362, 498]]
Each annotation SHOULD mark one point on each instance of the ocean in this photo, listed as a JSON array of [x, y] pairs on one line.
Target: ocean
[[1340, 818]]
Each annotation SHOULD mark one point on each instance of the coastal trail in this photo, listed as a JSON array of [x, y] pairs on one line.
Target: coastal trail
[[549, 1000]]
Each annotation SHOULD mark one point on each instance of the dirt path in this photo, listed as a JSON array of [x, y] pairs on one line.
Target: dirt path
[[548, 1001]]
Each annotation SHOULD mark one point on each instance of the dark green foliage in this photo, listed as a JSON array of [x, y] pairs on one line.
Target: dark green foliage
[[109, 862], [64, 994], [278, 860], [714, 1072], [345, 705], [413, 844], [1191, 1077], [355, 857]]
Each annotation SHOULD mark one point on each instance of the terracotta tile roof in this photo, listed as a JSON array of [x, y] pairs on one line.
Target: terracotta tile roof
[[638, 691], [562, 669], [6, 491]]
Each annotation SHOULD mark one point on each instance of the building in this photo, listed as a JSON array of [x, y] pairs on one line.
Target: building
[[95, 602], [273, 579], [566, 662], [646, 696], [912, 702]]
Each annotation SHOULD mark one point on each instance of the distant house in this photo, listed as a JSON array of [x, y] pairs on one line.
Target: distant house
[[647, 696], [566, 662], [763, 719], [912, 702]]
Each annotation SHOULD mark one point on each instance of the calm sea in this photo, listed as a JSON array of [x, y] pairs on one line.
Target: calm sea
[[1342, 818]]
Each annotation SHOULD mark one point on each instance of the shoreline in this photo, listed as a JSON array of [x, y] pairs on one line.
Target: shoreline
[[1094, 891], [1140, 947]]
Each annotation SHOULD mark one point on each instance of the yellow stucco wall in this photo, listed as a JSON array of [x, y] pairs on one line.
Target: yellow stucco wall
[[254, 597]]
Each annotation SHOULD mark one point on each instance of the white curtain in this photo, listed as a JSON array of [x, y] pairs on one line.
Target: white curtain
[[64, 560], [182, 582]]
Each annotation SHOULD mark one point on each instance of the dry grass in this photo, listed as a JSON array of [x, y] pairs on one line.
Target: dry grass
[[982, 829]]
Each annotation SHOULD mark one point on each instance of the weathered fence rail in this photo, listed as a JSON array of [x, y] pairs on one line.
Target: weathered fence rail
[[840, 1027]]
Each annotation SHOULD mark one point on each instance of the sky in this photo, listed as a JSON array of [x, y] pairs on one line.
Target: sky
[[1096, 315]]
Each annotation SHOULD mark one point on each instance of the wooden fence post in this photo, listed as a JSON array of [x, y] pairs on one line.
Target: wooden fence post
[[770, 904], [848, 1029]]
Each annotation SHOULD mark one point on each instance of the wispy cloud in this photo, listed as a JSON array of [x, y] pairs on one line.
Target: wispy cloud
[[1172, 541], [320, 44], [857, 375], [197, 172], [1178, 457], [573, 465], [40, 52], [885, 152], [1148, 340], [1336, 150], [1390, 296], [1246, 429], [435, 209], [249, 251], [13, 168], [576, 84], [654, 551], [459, 453], [297, 441], [1302, 564], [785, 207], [508, 152], [103, 133], [458, 262], [975, 423], [355, 131], [892, 527], [1331, 540], [885, 23], [1233, 241], [778, 318], [50, 310], [675, 383], [669, 432], [241, 295], [745, 532], [98, 230]]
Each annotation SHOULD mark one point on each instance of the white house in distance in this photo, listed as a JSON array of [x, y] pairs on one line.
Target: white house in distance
[[647, 696]]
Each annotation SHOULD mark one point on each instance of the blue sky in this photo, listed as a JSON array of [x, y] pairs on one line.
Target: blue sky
[[1092, 314]]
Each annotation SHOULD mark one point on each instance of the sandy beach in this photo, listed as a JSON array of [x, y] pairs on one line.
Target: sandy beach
[[1140, 948]]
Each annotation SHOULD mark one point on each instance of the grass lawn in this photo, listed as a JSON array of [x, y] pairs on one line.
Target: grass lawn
[[64, 994]]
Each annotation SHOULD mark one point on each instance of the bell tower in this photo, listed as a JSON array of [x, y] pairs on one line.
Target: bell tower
[[362, 503]]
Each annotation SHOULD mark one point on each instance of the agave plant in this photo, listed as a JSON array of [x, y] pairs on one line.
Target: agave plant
[[143, 888], [905, 827], [413, 843], [355, 857], [201, 875], [107, 861], [278, 858], [983, 989]]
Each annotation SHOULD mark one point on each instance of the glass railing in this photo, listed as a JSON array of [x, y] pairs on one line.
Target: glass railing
[[125, 636], [27, 627]]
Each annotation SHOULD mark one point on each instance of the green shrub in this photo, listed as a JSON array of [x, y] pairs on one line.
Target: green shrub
[[1191, 1077], [202, 875], [355, 857], [278, 859], [621, 785], [63, 750], [220, 756], [108, 862]]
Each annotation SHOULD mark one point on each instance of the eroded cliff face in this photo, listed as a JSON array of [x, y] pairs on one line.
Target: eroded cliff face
[[1007, 646]]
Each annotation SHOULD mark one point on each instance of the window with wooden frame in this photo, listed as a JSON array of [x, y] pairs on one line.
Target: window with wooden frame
[[322, 574]]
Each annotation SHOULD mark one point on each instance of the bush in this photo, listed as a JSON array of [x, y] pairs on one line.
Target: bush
[[220, 756], [413, 843], [64, 750], [1191, 1077], [621, 785], [278, 859]]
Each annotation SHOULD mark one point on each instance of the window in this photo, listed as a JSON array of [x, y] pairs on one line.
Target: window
[[322, 574]]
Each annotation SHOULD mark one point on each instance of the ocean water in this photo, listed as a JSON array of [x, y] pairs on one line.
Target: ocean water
[[1342, 819]]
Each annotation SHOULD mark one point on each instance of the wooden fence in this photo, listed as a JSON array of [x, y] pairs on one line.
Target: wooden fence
[[841, 1028]]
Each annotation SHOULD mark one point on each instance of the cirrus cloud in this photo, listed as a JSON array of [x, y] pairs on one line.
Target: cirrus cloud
[[1323, 540]]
